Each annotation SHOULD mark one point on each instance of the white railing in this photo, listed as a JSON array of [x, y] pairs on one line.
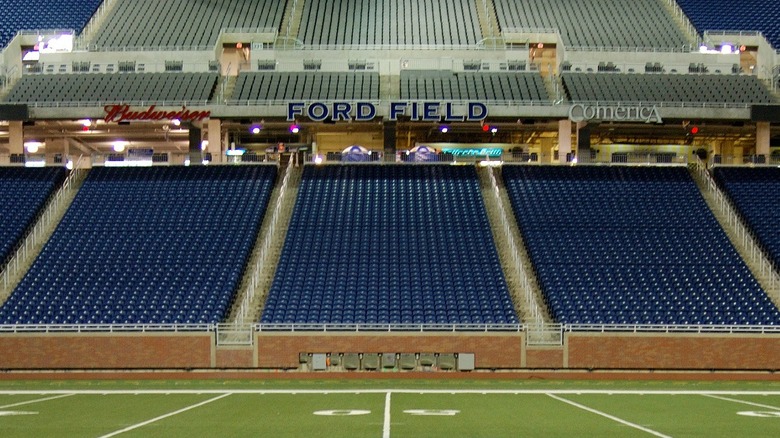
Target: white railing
[[94, 22], [757, 256], [174, 48], [265, 250], [680, 14], [96, 104], [246, 330], [377, 103], [38, 231], [293, 10], [685, 48], [663, 104], [105, 328], [534, 30], [514, 249], [290, 43], [671, 328], [389, 327]]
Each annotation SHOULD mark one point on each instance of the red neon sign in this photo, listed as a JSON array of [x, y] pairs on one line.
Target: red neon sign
[[123, 113]]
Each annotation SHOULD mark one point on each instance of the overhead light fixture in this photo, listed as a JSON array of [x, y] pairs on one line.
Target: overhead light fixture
[[444, 129], [119, 145], [295, 129], [33, 146], [176, 122], [204, 144]]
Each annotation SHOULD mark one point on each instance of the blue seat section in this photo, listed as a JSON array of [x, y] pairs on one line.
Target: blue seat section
[[16, 15], [163, 245], [756, 194], [23, 192], [761, 15], [387, 244], [631, 245]]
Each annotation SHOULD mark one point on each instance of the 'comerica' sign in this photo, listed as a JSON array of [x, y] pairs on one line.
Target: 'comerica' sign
[[123, 113], [614, 113]]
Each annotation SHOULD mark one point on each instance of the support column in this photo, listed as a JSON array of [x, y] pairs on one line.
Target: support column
[[564, 139], [214, 137], [546, 155], [15, 138], [762, 139]]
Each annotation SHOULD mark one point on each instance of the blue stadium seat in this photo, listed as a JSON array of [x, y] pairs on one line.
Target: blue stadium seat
[[389, 244], [23, 192], [756, 194], [16, 15], [147, 245], [760, 15], [631, 245]]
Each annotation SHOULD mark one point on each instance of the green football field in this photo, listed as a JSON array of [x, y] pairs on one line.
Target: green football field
[[384, 408]]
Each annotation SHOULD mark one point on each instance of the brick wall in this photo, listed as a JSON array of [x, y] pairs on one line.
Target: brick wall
[[69, 351], [235, 357], [643, 351], [544, 357], [280, 350]]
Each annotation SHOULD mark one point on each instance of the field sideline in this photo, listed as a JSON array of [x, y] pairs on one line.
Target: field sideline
[[389, 408]]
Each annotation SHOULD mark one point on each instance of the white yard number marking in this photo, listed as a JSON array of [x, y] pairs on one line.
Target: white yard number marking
[[433, 412], [342, 413], [762, 414]]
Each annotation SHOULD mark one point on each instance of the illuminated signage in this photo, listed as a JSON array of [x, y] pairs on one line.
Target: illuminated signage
[[614, 113], [124, 113], [366, 111], [474, 152]]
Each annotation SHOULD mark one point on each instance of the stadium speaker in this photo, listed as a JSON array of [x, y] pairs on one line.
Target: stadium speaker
[[390, 140]]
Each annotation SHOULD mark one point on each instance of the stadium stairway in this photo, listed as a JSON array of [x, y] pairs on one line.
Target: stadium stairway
[[512, 253], [291, 22], [737, 232], [268, 247], [40, 232], [682, 20], [488, 21], [94, 23]]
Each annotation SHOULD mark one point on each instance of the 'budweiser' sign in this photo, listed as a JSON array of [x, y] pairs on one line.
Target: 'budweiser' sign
[[123, 113]]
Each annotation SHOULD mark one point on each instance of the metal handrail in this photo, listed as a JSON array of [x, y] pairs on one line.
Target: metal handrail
[[265, 250], [105, 328], [94, 104], [36, 232], [734, 220], [388, 327], [718, 330], [514, 248]]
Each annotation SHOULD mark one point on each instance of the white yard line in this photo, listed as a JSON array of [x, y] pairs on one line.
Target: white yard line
[[611, 417], [379, 391], [386, 428], [28, 402], [742, 401], [162, 417]]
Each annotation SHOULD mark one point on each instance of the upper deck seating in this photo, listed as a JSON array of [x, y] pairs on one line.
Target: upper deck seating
[[390, 23], [183, 24], [16, 15], [596, 23], [731, 15]]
